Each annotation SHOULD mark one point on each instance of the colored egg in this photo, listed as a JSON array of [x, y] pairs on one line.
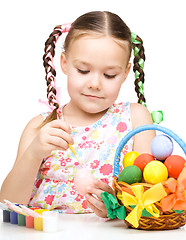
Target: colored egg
[[142, 160], [129, 158], [131, 174], [174, 165], [161, 147], [82, 179], [155, 172]]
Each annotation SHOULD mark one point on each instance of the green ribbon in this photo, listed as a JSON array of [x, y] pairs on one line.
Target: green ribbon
[[133, 38], [178, 211], [136, 51], [112, 206], [137, 74], [157, 116], [145, 213], [141, 63]]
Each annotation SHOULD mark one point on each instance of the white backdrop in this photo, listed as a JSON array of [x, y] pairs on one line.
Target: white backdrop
[[25, 26]]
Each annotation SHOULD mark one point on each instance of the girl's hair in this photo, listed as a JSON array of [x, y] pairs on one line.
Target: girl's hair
[[101, 23]]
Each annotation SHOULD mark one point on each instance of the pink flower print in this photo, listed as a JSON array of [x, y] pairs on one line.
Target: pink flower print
[[84, 204], [60, 154], [126, 147], [63, 163], [120, 168], [95, 164], [76, 163], [38, 183], [72, 192], [47, 164], [86, 129], [116, 110], [78, 198], [49, 199], [68, 160], [45, 171], [104, 125], [105, 180], [121, 127], [64, 195], [106, 169], [55, 181], [84, 138]]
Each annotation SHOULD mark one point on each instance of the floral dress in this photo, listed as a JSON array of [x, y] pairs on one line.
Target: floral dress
[[95, 145]]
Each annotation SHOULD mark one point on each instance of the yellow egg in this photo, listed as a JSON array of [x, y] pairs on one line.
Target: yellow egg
[[129, 158], [155, 172]]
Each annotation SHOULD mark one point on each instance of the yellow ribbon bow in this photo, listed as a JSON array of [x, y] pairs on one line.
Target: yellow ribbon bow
[[142, 199]]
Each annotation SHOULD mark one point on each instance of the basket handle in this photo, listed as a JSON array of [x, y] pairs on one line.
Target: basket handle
[[125, 139]]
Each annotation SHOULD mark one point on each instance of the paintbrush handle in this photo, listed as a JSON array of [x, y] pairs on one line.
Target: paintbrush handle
[[72, 149]]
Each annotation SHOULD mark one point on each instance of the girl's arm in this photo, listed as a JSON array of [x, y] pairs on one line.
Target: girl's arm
[[141, 116], [35, 144]]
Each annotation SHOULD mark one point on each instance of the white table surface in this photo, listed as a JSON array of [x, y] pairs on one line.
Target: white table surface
[[89, 227]]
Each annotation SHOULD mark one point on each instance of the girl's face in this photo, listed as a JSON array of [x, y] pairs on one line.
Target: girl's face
[[95, 69]]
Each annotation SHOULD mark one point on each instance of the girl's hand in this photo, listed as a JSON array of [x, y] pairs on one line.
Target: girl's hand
[[93, 198], [54, 135]]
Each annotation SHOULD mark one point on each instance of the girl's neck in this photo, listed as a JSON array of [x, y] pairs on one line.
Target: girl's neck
[[76, 117]]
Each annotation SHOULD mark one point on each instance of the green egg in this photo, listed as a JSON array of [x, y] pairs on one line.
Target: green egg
[[131, 174]]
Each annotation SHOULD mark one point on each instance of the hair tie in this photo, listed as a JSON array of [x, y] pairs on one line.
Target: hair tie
[[64, 28]]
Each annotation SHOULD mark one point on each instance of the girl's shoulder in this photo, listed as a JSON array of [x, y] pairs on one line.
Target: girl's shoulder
[[140, 115]]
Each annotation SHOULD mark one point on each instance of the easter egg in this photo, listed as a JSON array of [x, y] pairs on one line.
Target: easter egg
[[161, 147], [142, 160], [82, 179], [174, 165], [129, 158], [155, 172], [130, 174]]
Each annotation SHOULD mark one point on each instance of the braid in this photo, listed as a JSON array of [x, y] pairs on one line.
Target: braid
[[50, 69], [49, 66], [139, 59]]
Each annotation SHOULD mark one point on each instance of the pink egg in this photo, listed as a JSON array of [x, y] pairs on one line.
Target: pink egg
[[82, 179]]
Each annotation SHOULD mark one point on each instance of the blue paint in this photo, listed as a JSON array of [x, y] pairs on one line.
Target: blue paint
[[13, 218]]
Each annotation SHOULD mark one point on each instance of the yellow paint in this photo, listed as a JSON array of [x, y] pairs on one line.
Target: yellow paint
[[38, 222]]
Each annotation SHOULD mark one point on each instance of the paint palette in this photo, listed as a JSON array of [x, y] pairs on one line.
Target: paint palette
[[37, 218]]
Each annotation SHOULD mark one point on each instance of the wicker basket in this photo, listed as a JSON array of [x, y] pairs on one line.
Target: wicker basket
[[166, 220]]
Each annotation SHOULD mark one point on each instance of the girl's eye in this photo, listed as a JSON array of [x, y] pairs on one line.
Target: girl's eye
[[83, 71], [109, 76]]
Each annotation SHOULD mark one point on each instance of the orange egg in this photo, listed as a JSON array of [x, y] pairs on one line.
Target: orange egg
[[174, 164], [142, 160]]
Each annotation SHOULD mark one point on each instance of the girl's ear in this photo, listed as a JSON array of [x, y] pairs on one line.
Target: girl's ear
[[63, 63], [127, 70]]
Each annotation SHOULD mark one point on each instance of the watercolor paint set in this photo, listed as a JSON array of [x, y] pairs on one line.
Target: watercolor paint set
[[36, 218]]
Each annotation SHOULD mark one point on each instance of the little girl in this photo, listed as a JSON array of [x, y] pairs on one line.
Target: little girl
[[95, 59]]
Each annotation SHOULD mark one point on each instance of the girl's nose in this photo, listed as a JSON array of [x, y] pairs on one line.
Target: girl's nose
[[95, 81]]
